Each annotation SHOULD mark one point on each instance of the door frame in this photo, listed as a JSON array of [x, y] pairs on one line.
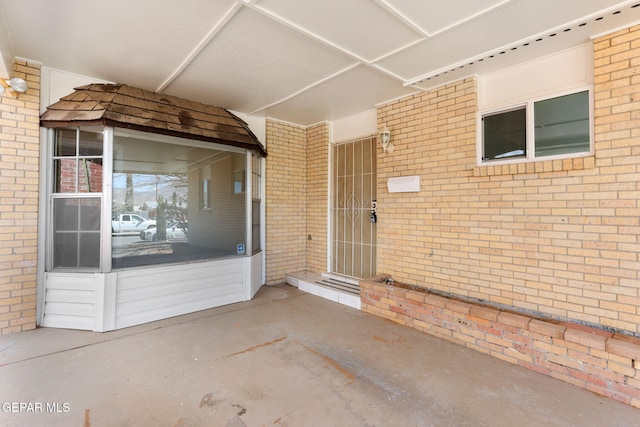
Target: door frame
[[332, 197]]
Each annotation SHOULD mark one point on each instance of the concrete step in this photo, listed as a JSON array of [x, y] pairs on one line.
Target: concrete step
[[329, 286]]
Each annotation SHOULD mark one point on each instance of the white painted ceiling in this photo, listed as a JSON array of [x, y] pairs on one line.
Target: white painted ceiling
[[302, 61]]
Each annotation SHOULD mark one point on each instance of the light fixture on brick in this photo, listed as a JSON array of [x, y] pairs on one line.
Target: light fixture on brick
[[385, 140], [13, 86]]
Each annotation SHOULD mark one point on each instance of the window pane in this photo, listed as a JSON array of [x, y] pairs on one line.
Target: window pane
[[65, 175], [89, 212], [65, 214], [562, 125], [256, 203], [80, 169], [65, 143], [505, 134], [185, 195], [255, 226], [76, 233], [65, 250], [90, 250], [238, 182], [205, 199], [90, 175], [90, 144], [257, 175]]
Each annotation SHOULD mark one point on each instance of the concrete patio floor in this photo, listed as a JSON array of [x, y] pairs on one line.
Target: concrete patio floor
[[285, 358]]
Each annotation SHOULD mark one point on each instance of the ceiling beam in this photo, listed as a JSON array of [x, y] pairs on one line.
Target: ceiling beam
[[306, 88], [217, 27]]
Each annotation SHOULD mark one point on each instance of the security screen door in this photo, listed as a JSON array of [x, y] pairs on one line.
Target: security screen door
[[354, 190]]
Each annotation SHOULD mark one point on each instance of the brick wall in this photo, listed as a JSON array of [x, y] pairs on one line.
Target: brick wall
[[286, 200], [90, 179], [601, 362], [19, 157], [553, 238], [317, 196], [611, 243], [429, 238]]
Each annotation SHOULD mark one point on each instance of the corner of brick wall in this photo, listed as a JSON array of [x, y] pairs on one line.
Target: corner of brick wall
[[19, 168], [602, 362], [286, 206], [317, 195]]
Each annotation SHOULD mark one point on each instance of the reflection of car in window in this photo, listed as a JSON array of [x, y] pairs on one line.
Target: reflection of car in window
[[175, 231], [128, 222]]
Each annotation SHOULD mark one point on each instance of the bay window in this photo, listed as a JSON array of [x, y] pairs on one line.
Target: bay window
[[171, 200], [150, 209]]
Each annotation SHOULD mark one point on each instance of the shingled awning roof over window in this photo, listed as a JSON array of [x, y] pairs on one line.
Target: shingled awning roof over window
[[123, 106]]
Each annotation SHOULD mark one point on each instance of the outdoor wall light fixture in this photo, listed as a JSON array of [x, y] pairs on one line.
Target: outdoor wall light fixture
[[385, 141], [13, 86]]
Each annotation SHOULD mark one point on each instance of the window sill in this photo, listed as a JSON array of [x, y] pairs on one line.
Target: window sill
[[558, 165]]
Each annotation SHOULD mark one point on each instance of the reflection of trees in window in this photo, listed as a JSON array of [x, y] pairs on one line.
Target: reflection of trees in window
[[191, 222], [155, 178], [140, 192], [128, 195], [171, 211]]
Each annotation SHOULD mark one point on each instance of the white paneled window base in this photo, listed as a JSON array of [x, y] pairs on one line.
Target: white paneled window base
[[104, 302]]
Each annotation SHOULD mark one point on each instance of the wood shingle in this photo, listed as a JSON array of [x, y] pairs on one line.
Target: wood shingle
[[123, 106]]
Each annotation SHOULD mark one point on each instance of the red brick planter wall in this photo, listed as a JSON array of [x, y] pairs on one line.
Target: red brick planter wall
[[602, 362]]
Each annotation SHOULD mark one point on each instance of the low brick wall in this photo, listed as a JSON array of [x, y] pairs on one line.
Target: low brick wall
[[602, 362]]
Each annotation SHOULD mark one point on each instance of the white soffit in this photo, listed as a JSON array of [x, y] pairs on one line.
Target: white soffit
[[332, 100], [254, 62], [138, 42], [435, 16], [359, 125], [289, 57], [56, 84], [4, 67], [6, 51], [551, 75], [361, 27], [506, 58], [478, 38]]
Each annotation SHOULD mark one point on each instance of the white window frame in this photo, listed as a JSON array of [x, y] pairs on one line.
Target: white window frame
[[530, 129], [50, 195]]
